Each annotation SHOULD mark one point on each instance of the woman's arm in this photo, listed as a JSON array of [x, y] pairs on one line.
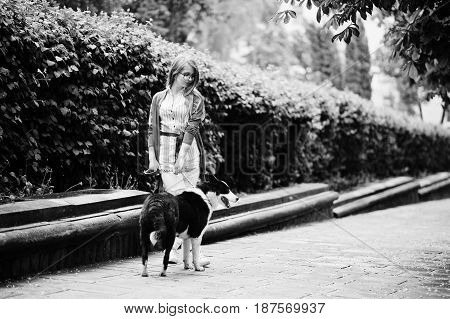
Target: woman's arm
[[198, 115], [153, 162], [150, 122]]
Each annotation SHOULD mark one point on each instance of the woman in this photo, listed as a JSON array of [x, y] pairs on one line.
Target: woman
[[174, 143]]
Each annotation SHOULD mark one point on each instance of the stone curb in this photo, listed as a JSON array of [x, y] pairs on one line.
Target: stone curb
[[371, 189], [400, 195], [433, 179], [46, 210], [73, 230], [435, 187], [268, 199], [261, 219], [435, 191], [392, 192], [87, 227], [39, 210], [53, 245]]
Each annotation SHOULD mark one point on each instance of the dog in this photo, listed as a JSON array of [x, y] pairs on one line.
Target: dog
[[164, 216]]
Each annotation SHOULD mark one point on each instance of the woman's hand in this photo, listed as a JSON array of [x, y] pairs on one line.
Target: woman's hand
[[178, 167], [179, 164], [153, 162], [153, 166]]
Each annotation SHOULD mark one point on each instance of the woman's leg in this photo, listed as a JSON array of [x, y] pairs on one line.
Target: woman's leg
[[191, 178], [173, 184]]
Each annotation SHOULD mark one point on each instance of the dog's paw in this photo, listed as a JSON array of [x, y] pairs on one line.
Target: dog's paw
[[163, 274], [188, 267], [144, 271]]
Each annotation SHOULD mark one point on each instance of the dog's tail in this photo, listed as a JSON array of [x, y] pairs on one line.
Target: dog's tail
[[160, 228]]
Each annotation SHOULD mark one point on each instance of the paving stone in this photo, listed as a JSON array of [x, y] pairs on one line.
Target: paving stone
[[75, 294], [10, 294]]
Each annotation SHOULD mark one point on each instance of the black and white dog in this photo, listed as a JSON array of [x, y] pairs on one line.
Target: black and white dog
[[165, 216]]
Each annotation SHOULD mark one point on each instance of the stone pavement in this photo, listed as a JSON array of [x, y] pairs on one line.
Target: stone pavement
[[402, 252]]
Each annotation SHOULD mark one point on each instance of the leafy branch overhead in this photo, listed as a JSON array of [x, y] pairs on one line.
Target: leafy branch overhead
[[420, 35]]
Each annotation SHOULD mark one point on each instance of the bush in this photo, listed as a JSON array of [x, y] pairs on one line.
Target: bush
[[75, 91]]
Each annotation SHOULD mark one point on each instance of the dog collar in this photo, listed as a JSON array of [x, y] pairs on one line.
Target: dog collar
[[203, 196]]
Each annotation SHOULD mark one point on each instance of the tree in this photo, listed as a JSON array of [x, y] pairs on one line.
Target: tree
[[357, 75], [420, 35], [409, 94], [325, 60], [408, 90], [278, 53], [230, 27], [173, 19]]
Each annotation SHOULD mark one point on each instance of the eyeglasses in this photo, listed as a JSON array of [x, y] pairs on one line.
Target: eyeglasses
[[188, 75]]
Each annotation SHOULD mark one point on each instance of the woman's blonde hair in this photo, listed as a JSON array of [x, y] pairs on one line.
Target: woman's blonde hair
[[177, 67]]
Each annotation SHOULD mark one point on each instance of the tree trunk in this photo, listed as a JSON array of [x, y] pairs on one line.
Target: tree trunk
[[419, 104], [444, 110]]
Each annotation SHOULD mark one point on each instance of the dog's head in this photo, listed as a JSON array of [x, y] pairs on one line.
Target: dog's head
[[218, 192]]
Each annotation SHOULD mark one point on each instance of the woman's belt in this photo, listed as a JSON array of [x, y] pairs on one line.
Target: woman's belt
[[179, 139], [169, 134]]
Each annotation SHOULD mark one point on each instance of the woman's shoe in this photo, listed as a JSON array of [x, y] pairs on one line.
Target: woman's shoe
[[204, 261], [174, 256]]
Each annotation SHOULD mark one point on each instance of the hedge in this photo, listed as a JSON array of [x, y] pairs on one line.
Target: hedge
[[75, 91]]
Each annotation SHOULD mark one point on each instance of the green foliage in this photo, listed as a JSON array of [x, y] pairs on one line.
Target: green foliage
[[230, 24], [94, 6], [409, 98], [420, 35], [278, 53], [72, 86], [357, 69], [25, 189], [173, 19], [325, 59], [75, 95]]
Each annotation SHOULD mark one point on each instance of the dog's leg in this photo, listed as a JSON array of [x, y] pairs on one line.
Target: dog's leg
[[187, 253], [145, 242], [165, 263], [196, 254], [168, 243], [144, 270]]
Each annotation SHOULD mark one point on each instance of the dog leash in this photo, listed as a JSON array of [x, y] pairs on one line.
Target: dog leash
[[205, 197], [184, 175], [158, 172]]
